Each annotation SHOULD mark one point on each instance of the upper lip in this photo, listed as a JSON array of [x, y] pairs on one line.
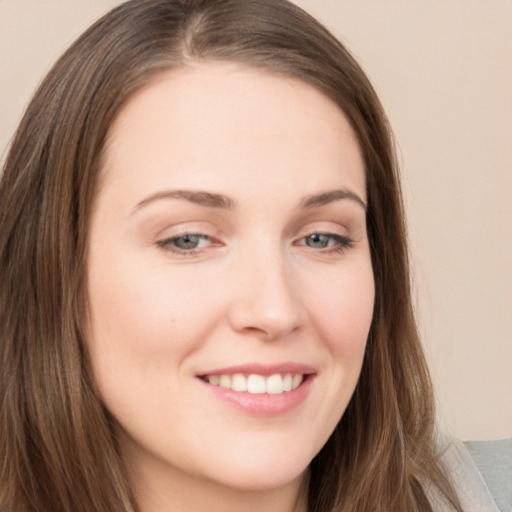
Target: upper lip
[[262, 369]]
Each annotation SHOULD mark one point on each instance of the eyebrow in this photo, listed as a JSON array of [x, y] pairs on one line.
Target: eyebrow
[[213, 200], [317, 200], [199, 197]]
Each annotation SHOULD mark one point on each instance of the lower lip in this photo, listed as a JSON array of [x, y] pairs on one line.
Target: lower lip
[[263, 404]]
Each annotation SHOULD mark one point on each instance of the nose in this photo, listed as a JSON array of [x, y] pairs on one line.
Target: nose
[[266, 300]]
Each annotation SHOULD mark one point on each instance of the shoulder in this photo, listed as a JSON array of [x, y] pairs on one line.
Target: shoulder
[[494, 462], [481, 472]]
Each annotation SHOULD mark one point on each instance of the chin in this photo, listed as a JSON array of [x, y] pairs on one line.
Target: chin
[[247, 472], [262, 479]]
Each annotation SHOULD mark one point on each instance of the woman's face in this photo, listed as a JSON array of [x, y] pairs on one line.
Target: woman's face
[[230, 282]]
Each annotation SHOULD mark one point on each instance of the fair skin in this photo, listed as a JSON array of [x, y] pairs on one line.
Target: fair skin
[[228, 246]]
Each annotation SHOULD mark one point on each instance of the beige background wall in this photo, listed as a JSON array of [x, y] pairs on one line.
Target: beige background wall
[[443, 69]]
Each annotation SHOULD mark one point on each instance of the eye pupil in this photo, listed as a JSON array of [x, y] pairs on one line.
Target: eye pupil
[[317, 241], [187, 241]]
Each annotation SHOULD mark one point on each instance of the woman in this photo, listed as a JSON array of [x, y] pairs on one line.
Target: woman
[[205, 294]]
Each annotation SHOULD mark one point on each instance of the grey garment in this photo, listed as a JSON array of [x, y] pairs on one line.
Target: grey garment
[[494, 461], [473, 493]]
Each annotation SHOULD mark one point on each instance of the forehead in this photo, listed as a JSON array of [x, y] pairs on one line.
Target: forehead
[[225, 119]]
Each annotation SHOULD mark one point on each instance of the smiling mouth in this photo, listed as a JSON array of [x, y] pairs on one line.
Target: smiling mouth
[[275, 384]]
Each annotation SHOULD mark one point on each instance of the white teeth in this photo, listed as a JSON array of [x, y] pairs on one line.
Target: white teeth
[[225, 381], [275, 385], [214, 380], [239, 382], [288, 382], [257, 384]]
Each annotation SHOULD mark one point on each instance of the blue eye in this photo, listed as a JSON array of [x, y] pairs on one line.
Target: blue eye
[[187, 243], [318, 241], [326, 241]]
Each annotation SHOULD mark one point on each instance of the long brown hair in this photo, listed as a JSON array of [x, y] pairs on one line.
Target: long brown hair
[[57, 445]]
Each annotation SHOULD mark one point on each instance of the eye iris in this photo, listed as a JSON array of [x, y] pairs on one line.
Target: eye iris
[[317, 241], [187, 241]]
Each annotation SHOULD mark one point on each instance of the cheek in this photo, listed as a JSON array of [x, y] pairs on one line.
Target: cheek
[[144, 324], [145, 310], [342, 311], [341, 314]]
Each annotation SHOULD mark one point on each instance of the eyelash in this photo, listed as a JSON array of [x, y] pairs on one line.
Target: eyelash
[[341, 243], [169, 244]]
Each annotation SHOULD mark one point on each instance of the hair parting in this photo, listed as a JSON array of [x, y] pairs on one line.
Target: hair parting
[[57, 441]]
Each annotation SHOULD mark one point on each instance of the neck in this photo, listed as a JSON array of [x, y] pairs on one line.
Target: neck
[[215, 499], [160, 488], [163, 496]]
